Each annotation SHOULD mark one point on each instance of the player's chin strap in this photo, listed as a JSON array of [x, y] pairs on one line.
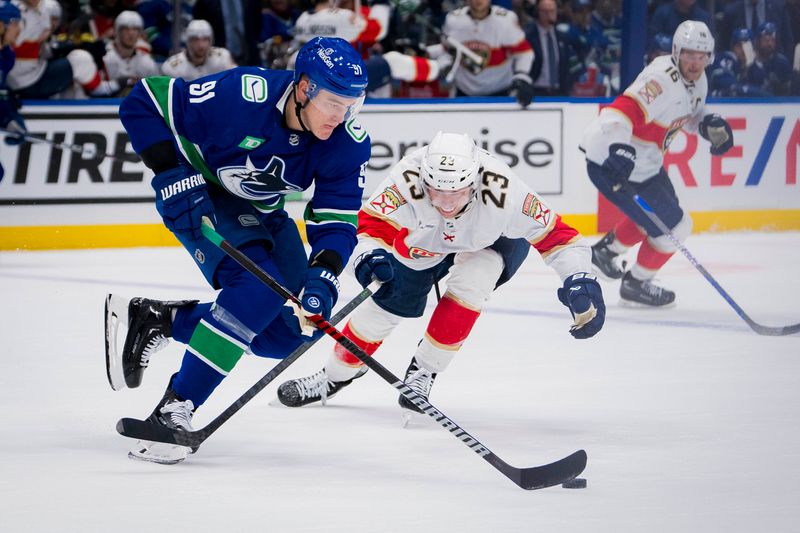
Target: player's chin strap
[[297, 108]]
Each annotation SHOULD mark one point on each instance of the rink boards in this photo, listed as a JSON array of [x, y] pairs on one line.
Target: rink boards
[[53, 198]]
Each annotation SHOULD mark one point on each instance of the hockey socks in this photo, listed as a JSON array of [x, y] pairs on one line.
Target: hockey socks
[[343, 365], [448, 328]]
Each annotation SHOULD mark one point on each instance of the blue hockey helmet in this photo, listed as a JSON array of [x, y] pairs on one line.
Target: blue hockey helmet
[[662, 42], [766, 28], [9, 12], [332, 63], [741, 35]]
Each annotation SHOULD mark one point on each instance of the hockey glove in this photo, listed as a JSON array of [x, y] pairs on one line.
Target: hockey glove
[[582, 295], [319, 295], [376, 264], [718, 132], [182, 201], [10, 119], [522, 89], [620, 162]]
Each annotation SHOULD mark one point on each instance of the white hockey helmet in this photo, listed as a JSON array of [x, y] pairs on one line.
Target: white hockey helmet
[[128, 19], [450, 162], [198, 29], [693, 35]]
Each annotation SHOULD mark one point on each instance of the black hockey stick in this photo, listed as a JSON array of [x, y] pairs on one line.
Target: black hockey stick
[[755, 326], [535, 477], [144, 430], [83, 149]]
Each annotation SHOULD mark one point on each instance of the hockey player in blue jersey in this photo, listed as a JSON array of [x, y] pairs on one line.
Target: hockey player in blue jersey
[[230, 147], [10, 119]]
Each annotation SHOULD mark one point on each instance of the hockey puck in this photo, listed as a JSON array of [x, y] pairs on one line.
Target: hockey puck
[[576, 483]]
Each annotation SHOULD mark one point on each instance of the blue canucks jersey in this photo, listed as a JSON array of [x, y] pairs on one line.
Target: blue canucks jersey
[[230, 126]]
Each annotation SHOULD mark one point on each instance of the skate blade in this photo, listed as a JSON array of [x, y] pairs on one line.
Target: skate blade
[[630, 304], [116, 314], [159, 453], [410, 418]]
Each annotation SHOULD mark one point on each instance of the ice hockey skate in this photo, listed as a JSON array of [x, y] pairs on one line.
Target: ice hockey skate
[[604, 259], [420, 380], [147, 327], [317, 387], [172, 412], [643, 293]]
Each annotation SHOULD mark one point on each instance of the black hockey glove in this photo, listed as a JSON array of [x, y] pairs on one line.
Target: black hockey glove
[[522, 89], [376, 264], [718, 132], [10, 119], [620, 162], [582, 295], [182, 201]]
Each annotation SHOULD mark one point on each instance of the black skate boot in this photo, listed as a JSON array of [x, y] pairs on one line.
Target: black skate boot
[[173, 412], [314, 388], [420, 380], [643, 293], [149, 326], [604, 259]]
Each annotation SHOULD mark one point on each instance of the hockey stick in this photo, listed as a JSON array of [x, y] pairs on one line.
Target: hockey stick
[[83, 149], [535, 477], [755, 326], [144, 430]]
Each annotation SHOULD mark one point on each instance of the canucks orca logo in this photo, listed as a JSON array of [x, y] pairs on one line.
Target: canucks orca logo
[[257, 183]]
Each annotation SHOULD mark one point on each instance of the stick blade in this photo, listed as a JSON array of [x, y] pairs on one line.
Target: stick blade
[[555, 473], [144, 430]]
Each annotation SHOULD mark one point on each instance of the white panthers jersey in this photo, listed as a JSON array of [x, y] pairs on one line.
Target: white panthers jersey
[[139, 65], [399, 218], [497, 38], [647, 116], [35, 29], [367, 28], [179, 65]]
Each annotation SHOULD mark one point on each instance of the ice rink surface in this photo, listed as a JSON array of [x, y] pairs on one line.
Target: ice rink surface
[[691, 421]]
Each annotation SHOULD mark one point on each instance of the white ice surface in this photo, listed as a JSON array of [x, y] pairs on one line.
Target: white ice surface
[[691, 421]]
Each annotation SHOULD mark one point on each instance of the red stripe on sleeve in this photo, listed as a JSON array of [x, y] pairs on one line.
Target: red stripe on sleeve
[[522, 46], [646, 131], [560, 235], [376, 227], [423, 69]]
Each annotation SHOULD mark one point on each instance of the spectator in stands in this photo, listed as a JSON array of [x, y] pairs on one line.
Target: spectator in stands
[[157, 16], [751, 14], [127, 58], [580, 34], [10, 119], [660, 45], [236, 25], [771, 70], [550, 68], [725, 76], [199, 58], [277, 26], [668, 16], [36, 77], [607, 21]]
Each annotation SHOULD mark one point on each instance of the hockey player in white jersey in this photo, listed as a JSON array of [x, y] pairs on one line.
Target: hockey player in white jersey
[[448, 207], [127, 58], [364, 26], [493, 33], [199, 58], [626, 143]]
